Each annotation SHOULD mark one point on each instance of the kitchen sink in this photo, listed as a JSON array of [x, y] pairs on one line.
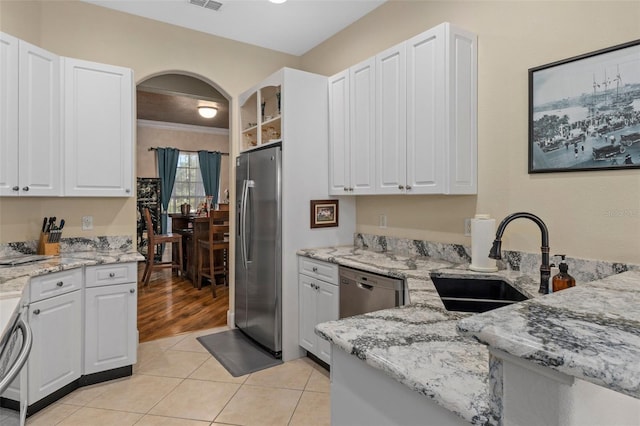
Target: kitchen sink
[[475, 295]]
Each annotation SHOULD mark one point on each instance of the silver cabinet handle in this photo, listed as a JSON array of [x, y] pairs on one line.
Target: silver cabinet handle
[[314, 269], [36, 312], [133, 290], [111, 274], [401, 187], [26, 189], [60, 283], [345, 189], [408, 187], [15, 188]]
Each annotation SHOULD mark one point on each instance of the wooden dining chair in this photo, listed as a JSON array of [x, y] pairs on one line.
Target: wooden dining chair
[[213, 253], [154, 239]]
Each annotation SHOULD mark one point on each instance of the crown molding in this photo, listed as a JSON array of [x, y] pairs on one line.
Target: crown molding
[[182, 127]]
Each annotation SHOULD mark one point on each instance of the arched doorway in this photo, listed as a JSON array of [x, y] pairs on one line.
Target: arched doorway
[[167, 112]]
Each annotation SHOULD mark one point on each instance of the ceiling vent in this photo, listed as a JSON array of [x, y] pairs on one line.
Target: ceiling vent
[[207, 4]]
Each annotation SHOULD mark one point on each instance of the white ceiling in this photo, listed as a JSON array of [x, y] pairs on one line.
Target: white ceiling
[[293, 27]]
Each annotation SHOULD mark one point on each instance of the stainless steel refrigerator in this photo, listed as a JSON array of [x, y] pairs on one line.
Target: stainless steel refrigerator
[[258, 254]]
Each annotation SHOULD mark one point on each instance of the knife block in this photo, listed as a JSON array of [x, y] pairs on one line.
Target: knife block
[[44, 247]]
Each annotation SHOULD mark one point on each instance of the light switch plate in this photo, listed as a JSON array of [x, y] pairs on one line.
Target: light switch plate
[[382, 221], [87, 223]]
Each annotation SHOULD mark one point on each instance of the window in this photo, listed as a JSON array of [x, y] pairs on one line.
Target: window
[[188, 187]]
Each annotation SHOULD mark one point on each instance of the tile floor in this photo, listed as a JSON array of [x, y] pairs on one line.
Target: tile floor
[[177, 382]]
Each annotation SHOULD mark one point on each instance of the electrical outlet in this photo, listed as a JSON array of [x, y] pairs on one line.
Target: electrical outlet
[[87, 223], [382, 221], [467, 227]]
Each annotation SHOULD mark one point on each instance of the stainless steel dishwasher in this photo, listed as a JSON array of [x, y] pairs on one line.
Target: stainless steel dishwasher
[[362, 292]]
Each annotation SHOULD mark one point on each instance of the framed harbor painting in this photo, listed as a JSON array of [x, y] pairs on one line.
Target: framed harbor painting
[[324, 213], [584, 112]]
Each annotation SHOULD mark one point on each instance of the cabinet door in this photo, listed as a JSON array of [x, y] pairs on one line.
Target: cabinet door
[[307, 314], [327, 307], [362, 133], [426, 112], [98, 106], [40, 157], [8, 115], [391, 125], [56, 355], [339, 144], [110, 327]]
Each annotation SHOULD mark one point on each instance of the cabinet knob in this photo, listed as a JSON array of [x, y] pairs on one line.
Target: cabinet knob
[[133, 290], [314, 269], [15, 188], [26, 189], [36, 312], [408, 187], [127, 191], [60, 283], [111, 275], [344, 189], [351, 189], [400, 187]]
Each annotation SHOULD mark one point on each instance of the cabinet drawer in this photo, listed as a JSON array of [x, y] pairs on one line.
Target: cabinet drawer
[[318, 269], [54, 284], [113, 273]]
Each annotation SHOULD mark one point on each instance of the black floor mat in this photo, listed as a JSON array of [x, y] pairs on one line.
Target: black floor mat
[[237, 353]]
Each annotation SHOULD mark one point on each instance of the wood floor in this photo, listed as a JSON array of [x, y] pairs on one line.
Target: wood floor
[[170, 305]]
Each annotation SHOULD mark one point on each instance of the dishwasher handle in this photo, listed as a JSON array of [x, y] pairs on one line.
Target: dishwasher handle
[[365, 286], [21, 359]]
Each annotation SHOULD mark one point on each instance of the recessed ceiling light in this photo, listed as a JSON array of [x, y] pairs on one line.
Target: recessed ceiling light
[[277, 1], [207, 112]]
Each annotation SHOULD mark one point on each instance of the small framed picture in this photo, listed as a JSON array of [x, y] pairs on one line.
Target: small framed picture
[[324, 213]]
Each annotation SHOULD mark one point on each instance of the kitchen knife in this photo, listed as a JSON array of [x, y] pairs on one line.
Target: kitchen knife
[[44, 224], [61, 224]]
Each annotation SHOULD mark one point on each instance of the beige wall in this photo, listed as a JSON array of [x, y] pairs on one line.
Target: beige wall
[[181, 138], [85, 31], [589, 214]]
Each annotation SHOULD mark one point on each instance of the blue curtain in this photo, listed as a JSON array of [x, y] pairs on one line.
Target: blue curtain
[[210, 169], [167, 165]]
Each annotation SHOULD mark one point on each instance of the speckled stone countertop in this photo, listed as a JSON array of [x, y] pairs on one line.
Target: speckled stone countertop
[[591, 331], [418, 344], [13, 279]]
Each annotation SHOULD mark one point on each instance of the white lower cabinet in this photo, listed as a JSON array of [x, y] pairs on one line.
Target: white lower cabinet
[[110, 327], [110, 336], [56, 354], [319, 302]]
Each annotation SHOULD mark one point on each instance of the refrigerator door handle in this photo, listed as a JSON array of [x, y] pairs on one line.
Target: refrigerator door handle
[[247, 232], [243, 223]]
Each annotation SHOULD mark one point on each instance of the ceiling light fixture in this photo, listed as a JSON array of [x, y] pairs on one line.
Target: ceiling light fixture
[[277, 1], [207, 111]]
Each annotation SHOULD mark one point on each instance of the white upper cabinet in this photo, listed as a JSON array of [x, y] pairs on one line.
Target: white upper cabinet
[[391, 124], [9, 184], [30, 136], [352, 130], [425, 116], [442, 112], [98, 128], [339, 146]]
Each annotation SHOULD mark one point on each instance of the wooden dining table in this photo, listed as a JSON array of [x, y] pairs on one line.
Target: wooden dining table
[[192, 228]]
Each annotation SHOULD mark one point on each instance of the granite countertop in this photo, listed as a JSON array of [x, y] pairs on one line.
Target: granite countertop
[[418, 344], [13, 279], [591, 331]]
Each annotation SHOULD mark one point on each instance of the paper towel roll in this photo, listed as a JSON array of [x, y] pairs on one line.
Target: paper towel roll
[[483, 232]]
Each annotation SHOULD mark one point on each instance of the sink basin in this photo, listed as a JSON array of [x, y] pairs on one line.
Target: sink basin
[[475, 295]]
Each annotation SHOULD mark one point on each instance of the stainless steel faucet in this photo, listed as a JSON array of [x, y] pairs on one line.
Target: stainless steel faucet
[[545, 268]]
